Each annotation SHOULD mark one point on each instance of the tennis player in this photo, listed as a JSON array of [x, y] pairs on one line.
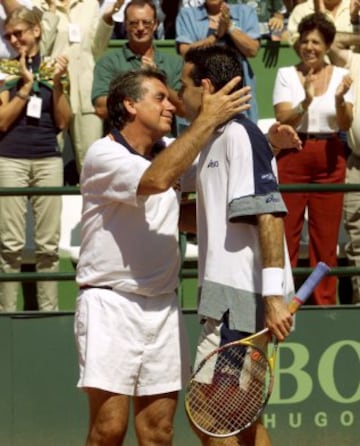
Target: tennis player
[[128, 324], [244, 271]]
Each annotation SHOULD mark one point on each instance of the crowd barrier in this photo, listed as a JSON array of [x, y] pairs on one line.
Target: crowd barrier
[[70, 242]]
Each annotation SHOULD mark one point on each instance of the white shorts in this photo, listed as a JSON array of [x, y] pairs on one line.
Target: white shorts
[[131, 344]]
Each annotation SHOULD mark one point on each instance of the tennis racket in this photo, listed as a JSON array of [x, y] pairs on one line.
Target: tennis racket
[[231, 386]]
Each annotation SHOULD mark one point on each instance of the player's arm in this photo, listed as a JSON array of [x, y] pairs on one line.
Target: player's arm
[[271, 235]]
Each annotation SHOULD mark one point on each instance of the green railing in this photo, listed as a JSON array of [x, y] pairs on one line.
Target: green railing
[[186, 272]]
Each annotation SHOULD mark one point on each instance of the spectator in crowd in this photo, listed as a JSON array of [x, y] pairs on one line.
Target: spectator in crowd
[[48, 26], [119, 25], [216, 22], [127, 311], [82, 34], [345, 52], [6, 6], [271, 14], [316, 99], [33, 109], [335, 10], [139, 50]]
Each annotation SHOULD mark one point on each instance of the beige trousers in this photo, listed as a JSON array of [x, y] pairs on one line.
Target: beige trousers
[[43, 172]]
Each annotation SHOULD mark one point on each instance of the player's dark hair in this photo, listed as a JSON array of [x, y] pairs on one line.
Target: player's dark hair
[[141, 4], [319, 22], [128, 85], [217, 63]]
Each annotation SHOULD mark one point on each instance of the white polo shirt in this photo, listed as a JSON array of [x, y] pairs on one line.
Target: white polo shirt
[[128, 242]]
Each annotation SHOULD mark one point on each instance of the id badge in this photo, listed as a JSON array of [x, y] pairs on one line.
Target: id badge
[[34, 105], [74, 33]]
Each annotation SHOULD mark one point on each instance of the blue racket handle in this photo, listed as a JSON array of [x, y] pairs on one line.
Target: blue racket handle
[[308, 286]]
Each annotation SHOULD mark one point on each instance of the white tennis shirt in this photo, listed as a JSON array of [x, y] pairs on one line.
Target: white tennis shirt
[[128, 242], [235, 182]]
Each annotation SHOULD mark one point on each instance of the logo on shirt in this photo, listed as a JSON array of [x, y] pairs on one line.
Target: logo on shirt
[[213, 164], [271, 198], [268, 177]]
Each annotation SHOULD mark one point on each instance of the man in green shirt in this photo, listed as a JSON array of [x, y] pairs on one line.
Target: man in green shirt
[[141, 23]]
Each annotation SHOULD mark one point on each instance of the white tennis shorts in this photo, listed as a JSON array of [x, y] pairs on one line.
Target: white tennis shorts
[[131, 344]]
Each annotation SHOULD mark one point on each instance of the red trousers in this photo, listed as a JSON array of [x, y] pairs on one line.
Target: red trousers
[[319, 162]]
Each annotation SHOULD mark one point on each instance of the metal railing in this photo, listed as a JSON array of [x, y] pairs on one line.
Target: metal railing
[[340, 271]]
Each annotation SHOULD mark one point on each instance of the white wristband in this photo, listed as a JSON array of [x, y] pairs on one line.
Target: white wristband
[[272, 282]]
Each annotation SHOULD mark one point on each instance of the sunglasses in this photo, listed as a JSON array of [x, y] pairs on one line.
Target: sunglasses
[[135, 23], [18, 34]]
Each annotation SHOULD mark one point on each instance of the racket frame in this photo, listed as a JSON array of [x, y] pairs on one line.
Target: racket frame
[[295, 303]]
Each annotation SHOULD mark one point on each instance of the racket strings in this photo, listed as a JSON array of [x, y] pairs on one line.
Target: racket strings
[[227, 394]]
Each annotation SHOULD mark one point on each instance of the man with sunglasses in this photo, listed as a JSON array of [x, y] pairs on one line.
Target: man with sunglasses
[[140, 23]]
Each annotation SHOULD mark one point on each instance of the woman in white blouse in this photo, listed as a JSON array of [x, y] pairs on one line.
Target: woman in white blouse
[[316, 99]]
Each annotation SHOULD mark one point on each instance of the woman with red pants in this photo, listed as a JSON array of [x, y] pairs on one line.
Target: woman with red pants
[[316, 99]]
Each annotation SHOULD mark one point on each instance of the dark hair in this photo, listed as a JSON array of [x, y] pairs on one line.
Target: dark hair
[[141, 4], [217, 63], [318, 21], [128, 85]]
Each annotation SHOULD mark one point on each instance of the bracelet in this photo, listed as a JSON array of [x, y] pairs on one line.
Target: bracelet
[[24, 97], [272, 282]]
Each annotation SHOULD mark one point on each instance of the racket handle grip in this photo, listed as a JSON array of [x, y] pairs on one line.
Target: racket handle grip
[[308, 286]]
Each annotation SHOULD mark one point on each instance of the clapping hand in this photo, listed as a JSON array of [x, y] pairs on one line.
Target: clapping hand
[[26, 74], [61, 64], [343, 87], [224, 20], [148, 61]]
